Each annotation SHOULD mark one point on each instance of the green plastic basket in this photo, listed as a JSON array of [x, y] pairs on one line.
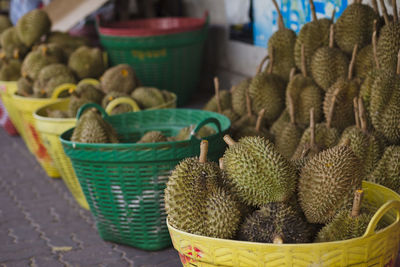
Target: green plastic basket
[[169, 61], [124, 183]]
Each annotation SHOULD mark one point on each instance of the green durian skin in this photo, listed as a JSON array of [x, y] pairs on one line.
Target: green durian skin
[[184, 133], [58, 114], [225, 99], [279, 124], [366, 87], [54, 75], [387, 171], [355, 26], [90, 92], [54, 50], [251, 131], [275, 219], [231, 115], [328, 65], [388, 46], [287, 141], [5, 23], [24, 87], [364, 62], [259, 184], [327, 183], [267, 91], [87, 62], [10, 43], [313, 35], [148, 97], [74, 105], [10, 70], [238, 96], [121, 78], [33, 25], [34, 62], [281, 45], [68, 43], [152, 137]]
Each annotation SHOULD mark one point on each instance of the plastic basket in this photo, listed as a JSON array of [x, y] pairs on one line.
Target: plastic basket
[[26, 106], [168, 61], [372, 249], [5, 120], [7, 89], [124, 183]]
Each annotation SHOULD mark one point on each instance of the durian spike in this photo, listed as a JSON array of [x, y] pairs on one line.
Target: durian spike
[[203, 151], [374, 50], [281, 25], [331, 35], [384, 11], [229, 141], [375, 6], [352, 62], [248, 104], [398, 64], [259, 119], [221, 163], [332, 107], [277, 240], [260, 66], [312, 7], [356, 112], [363, 118], [303, 61], [216, 87], [395, 16], [271, 61], [291, 108], [355, 211], [292, 73], [312, 128]]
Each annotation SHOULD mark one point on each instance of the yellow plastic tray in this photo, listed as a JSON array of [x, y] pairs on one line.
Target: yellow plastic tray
[[7, 89], [372, 249]]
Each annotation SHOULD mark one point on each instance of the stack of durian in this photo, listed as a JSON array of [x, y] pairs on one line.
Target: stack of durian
[[335, 123]]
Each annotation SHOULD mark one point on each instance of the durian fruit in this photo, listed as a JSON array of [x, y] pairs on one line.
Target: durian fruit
[[53, 75], [389, 42], [5, 23], [328, 64], [10, 70], [214, 212], [87, 62], [277, 223], [11, 45], [365, 145], [347, 224], [355, 26], [287, 141], [24, 87], [32, 26], [121, 108], [247, 120], [341, 95], [55, 113], [148, 97], [185, 133], [91, 128], [365, 61], [385, 104], [258, 172], [74, 105], [220, 101], [277, 126], [228, 112], [238, 95], [121, 78], [267, 91], [66, 41], [312, 35], [281, 43], [35, 61], [152, 137], [53, 50], [88, 91], [387, 171], [327, 182], [254, 130]]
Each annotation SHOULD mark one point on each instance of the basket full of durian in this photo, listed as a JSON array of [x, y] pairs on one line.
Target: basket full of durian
[[123, 161]]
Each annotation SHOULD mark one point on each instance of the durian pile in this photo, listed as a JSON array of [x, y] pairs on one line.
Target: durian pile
[[324, 115]]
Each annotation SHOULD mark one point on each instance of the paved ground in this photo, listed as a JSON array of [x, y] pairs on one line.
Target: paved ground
[[41, 225]]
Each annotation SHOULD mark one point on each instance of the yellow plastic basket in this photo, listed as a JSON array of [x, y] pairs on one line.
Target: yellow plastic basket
[[372, 249], [7, 89], [26, 106]]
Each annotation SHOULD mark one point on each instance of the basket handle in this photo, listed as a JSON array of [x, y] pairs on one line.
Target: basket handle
[[380, 213], [62, 88], [91, 105], [205, 122], [122, 100], [89, 81]]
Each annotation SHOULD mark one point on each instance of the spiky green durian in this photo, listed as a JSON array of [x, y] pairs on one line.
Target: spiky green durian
[[277, 126], [87, 62], [153, 137], [121, 78], [89, 91], [328, 64], [33, 25], [11, 44], [10, 70], [121, 108], [253, 130], [185, 133], [273, 222], [148, 97], [327, 182], [53, 50], [25, 87], [238, 96], [53, 75], [220, 101], [74, 105], [364, 62], [5, 23], [258, 172], [35, 61], [55, 113], [67, 42], [387, 171]]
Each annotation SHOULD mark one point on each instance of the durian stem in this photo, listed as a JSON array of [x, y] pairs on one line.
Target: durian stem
[[229, 141], [312, 7], [395, 16], [374, 50], [355, 211], [260, 66], [312, 128], [332, 107], [384, 11], [363, 118], [221, 163], [216, 86], [248, 103], [259, 119], [281, 25], [356, 113], [277, 240], [352, 62], [398, 64], [375, 6], [303, 61], [203, 151], [331, 35], [292, 73], [291, 108], [271, 61]]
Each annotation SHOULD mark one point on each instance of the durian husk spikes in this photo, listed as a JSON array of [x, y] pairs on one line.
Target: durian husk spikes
[[303, 61], [229, 141], [281, 25], [352, 63], [312, 7], [398, 64], [374, 42], [203, 151], [216, 87], [384, 12], [278, 240], [355, 211], [356, 113], [363, 116], [259, 120]]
